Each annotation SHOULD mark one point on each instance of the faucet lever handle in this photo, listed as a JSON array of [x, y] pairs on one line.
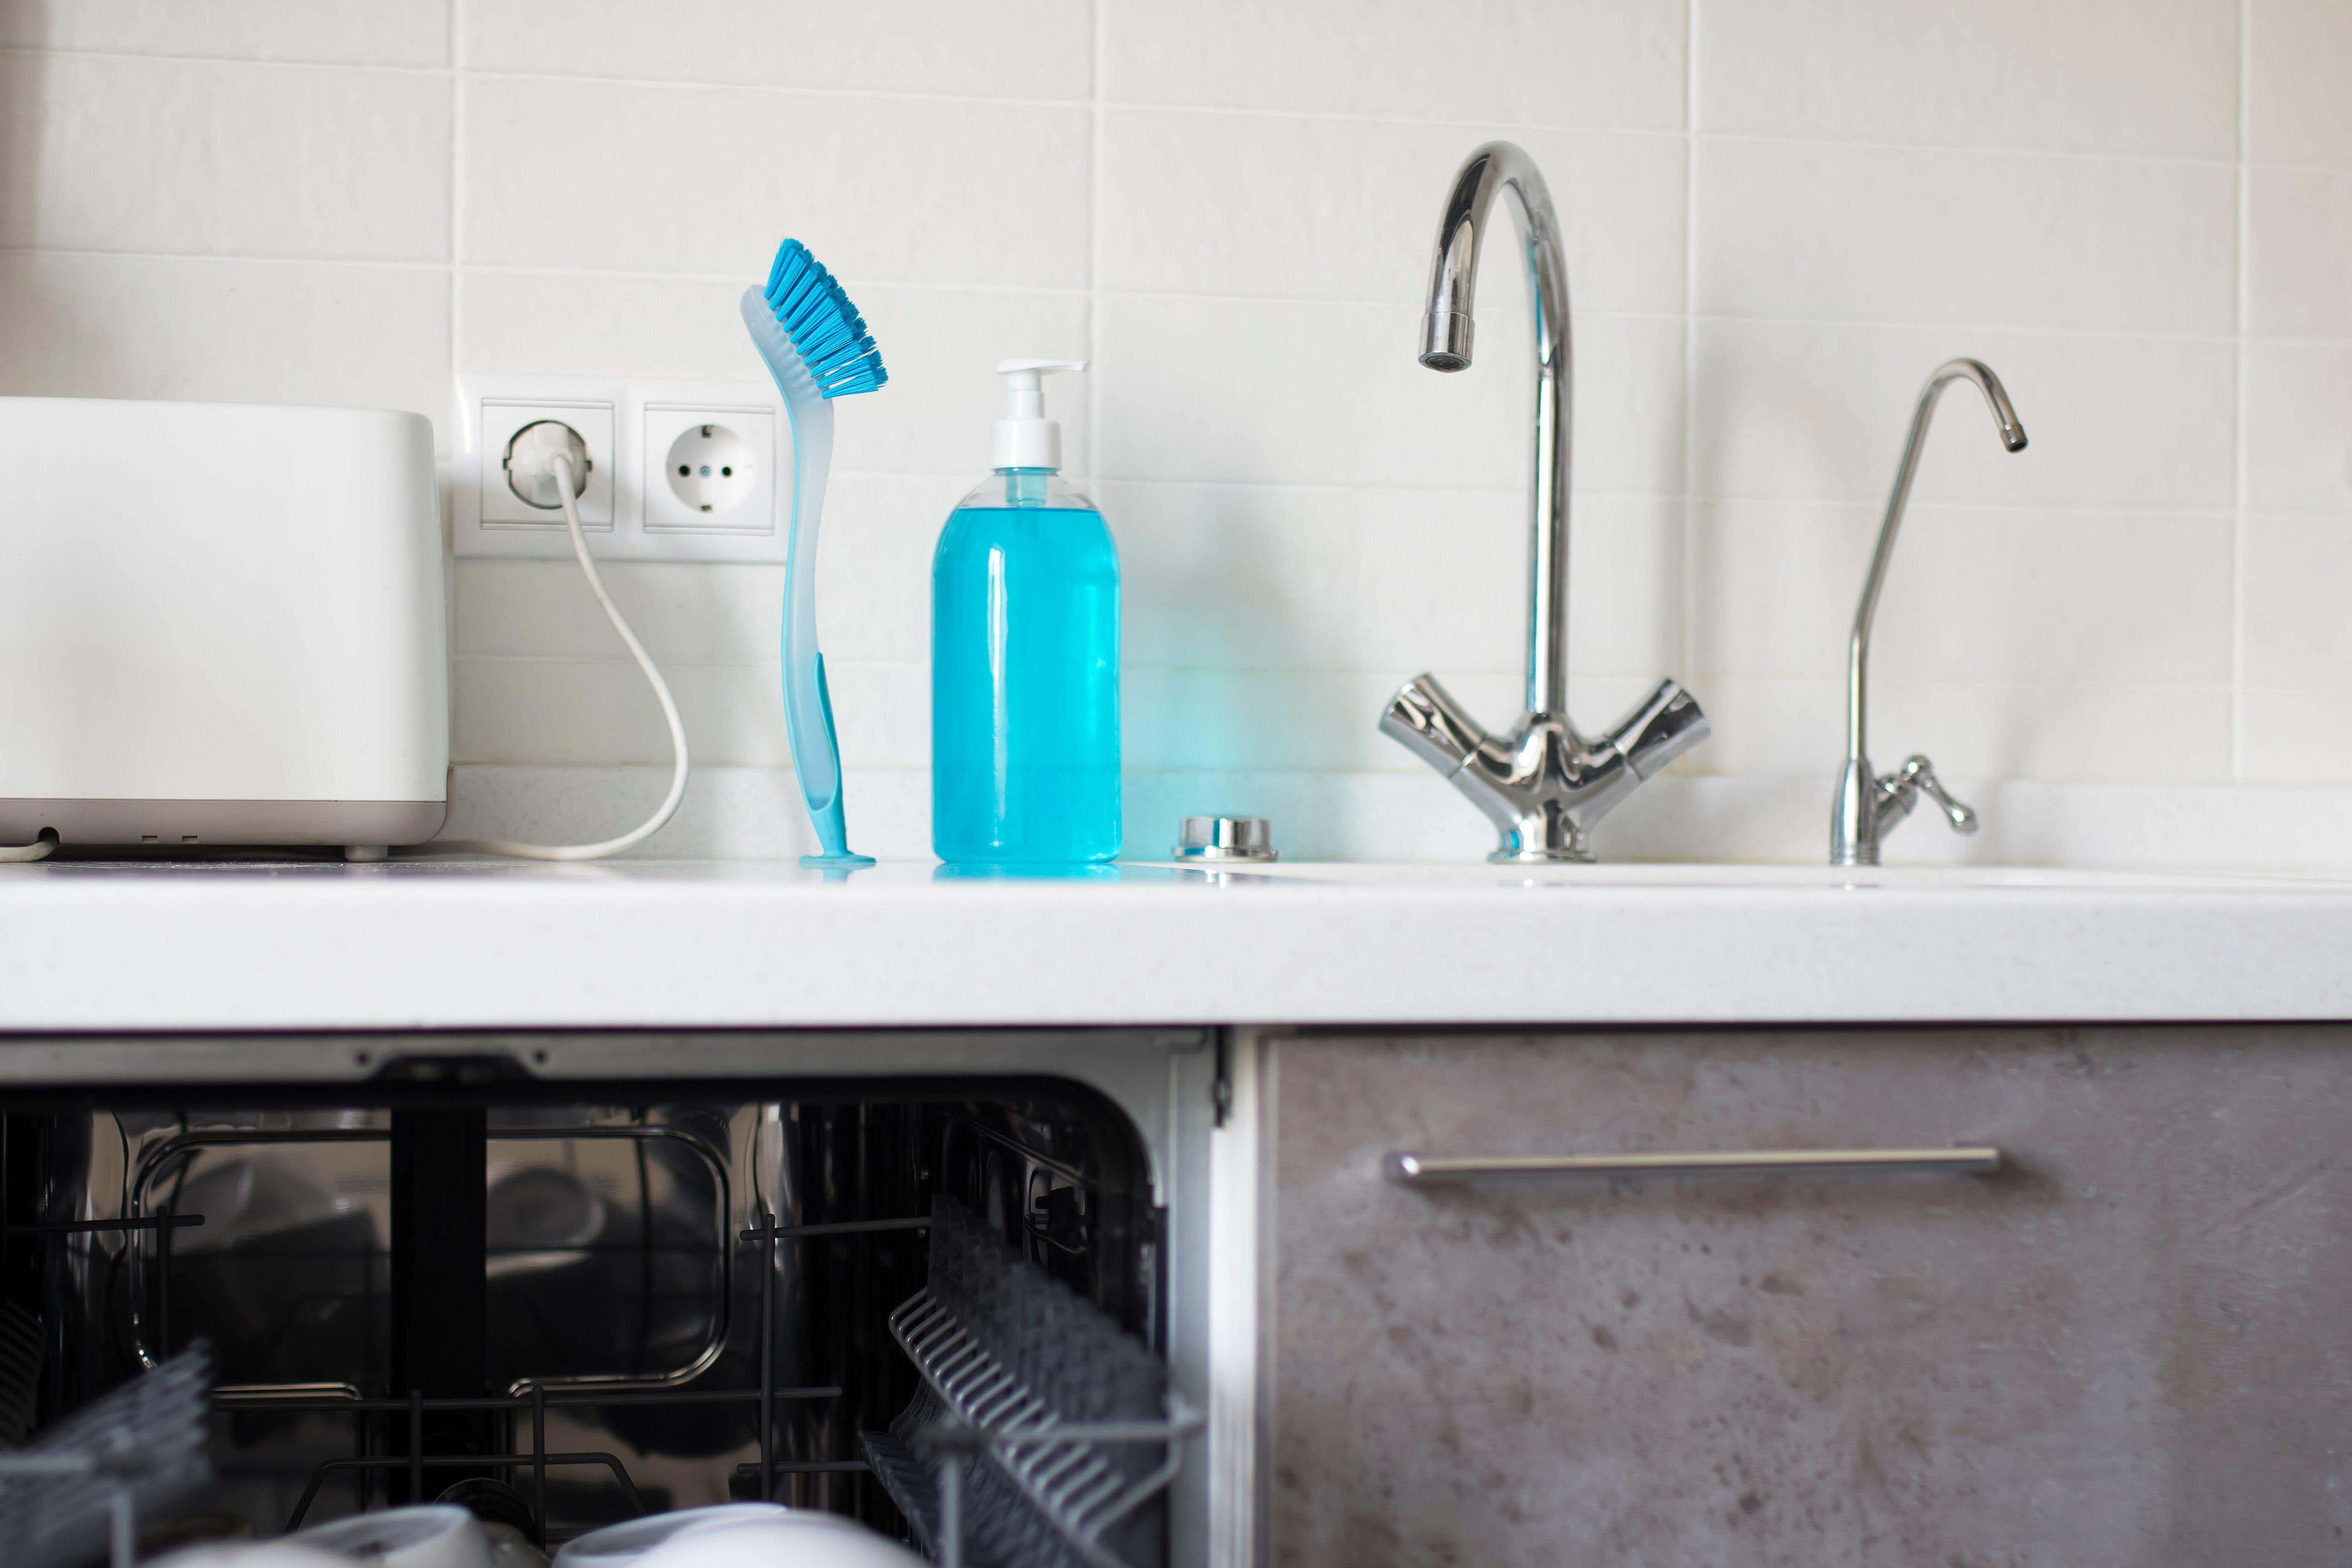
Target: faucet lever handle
[[1662, 726], [1919, 774]]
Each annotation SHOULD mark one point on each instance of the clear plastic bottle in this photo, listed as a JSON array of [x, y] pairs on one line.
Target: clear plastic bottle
[[1024, 657]]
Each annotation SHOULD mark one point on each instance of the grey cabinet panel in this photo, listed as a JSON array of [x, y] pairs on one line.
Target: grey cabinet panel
[[2132, 1346]]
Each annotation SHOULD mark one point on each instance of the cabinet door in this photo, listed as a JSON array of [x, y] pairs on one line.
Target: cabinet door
[[2132, 1344]]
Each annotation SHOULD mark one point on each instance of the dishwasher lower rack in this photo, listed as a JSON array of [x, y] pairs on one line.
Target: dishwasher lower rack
[[811, 1211], [83, 1487]]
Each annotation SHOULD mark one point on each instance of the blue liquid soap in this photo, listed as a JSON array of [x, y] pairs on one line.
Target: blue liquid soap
[[1024, 676]]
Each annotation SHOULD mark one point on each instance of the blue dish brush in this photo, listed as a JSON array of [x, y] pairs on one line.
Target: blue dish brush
[[815, 346]]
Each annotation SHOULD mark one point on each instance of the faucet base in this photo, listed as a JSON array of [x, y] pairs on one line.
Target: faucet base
[[1577, 854], [1547, 828], [1540, 783]]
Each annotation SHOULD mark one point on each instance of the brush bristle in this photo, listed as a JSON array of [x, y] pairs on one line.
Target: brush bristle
[[824, 328]]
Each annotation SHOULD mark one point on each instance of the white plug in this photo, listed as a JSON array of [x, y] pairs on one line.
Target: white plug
[[531, 465]]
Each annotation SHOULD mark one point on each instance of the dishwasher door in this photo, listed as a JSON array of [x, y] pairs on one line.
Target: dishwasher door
[[570, 1277]]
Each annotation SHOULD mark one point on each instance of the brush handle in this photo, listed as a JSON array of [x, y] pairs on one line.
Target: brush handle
[[814, 752], [808, 706], [832, 827], [808, 703]]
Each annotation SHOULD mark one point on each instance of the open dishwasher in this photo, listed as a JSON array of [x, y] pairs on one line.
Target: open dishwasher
[[950, 1284]]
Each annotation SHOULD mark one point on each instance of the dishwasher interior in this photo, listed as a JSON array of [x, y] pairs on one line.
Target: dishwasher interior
[[568, 1303]]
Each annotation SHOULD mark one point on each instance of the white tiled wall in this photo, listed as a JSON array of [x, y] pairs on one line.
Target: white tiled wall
[[1781, 214]]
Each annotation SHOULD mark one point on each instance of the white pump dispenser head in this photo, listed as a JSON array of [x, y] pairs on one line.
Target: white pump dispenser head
[[1025, 438]]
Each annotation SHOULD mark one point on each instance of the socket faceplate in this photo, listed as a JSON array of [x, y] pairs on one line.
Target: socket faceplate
[[729, 482], [630, 511], [497, 420]]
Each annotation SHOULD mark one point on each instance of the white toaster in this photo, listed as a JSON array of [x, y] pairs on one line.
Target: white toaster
[[222, 624]]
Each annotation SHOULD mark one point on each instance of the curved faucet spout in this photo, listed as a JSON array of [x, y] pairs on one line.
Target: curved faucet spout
[[1866, 806], [1445, 341], [1540, 783], [2012, 437]]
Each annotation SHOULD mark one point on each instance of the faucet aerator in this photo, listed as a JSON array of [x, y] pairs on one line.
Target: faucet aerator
[[1445, 339]]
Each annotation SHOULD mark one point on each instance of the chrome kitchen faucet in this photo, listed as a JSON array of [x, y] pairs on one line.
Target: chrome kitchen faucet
[[1541, 782], [1867, 806]]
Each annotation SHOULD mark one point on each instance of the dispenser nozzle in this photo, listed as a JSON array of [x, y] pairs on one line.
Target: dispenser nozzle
[[1025, 438]]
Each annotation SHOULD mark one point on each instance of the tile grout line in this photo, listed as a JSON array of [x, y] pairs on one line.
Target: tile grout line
[[1008, 290], [370, 68], [2224, 512], [1808, 778], [1688, 638], [2244, 326], [1094, 249], [456, 404], [457, 214], [1907, 325], [1972, 150], [1510, 674]]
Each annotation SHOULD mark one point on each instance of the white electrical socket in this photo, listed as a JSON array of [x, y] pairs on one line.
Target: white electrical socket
[[709, 468], [637, 507]]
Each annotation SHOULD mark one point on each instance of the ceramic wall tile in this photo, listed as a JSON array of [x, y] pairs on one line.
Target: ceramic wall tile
[[1997, 595], [1389, 581], [2299, 252], [2298, 67], [2298, 576], [1819, 412], [2296, 736], [1978, 239], [413, 33], [2085, 735], [1321, 208], [601, 712], [217, 330], [1290, 392], [2299, 426], [684, 614], [2157, 77], [621, 177], [124, 153], [1615, 63], [1036, 48]]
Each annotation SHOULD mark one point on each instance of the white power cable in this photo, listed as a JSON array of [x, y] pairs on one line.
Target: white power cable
[[560, 465], [39, 849]]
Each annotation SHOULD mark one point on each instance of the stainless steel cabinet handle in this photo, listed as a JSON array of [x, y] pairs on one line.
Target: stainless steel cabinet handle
[[1420, 1170]]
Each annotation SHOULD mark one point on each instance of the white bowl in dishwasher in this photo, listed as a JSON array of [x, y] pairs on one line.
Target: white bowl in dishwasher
[[620, 1545], [798, 1538], [252, 1554]]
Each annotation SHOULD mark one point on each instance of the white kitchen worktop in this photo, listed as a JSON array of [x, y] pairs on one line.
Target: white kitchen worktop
[[276, 947]]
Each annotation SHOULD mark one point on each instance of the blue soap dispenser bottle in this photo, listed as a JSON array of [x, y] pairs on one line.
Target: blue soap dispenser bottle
[[1024, 656]]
